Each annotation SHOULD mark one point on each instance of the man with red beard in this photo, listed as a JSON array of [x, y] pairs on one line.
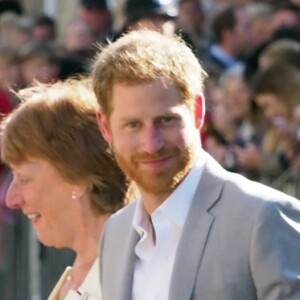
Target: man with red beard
[[195, 230]]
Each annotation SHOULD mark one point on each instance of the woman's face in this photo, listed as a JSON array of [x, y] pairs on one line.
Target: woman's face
[[272, 106], [237, 98], [47, 199]]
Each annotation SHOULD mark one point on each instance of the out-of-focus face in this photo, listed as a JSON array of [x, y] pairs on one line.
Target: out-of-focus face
[[45, 197], [78, 37], [20, 37], [153, 134], [190, 16], [272, 106], [242, 33], [40, 69], [43, 33], [262, 30], [237, 98], [10, 74], [98, 19], [285, 18]]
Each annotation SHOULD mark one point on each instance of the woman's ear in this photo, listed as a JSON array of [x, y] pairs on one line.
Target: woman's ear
[[199, 110], [79, 189]]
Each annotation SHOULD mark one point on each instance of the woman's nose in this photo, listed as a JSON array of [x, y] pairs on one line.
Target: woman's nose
[[13, 199]]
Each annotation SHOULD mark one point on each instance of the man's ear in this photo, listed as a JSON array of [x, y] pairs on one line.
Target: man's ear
[[199, 110], [104, 127]]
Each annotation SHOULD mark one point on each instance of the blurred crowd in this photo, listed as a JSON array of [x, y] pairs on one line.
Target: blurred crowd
[[249, 49]]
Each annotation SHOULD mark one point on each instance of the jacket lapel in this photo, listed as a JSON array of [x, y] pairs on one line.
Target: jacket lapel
[[127, 266], [195, 232]]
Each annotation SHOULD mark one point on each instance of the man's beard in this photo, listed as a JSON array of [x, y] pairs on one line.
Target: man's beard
[[160, 180]]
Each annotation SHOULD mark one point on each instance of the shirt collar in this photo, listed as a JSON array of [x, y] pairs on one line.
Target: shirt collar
[[141, 219], [227, 59], [177, 205]]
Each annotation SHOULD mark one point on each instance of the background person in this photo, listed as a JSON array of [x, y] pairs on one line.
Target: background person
[[150, 14], [279, 103], [98, 16], [197, 231], [64, 178]]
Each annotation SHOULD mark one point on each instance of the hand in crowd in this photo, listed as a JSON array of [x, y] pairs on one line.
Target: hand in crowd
[[248, 157]]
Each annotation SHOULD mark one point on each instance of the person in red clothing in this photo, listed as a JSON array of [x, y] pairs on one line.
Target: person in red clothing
[[10, 78], [5, 104]]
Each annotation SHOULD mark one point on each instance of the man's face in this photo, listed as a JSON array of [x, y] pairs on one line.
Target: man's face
[[191, 16], [153, 134], [98, 19], [242, 34]]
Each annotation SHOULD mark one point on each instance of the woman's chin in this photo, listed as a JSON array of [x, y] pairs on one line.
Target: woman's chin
[[51, 243]]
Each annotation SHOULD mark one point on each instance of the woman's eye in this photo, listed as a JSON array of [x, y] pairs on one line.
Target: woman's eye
[[24, 180]]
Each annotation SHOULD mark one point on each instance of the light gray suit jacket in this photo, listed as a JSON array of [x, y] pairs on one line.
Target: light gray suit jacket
[[241, 241]]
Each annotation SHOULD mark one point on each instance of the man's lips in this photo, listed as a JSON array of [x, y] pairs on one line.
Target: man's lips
[[155, 161]]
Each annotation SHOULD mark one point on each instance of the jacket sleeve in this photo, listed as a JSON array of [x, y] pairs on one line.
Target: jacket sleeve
[[275, 251]]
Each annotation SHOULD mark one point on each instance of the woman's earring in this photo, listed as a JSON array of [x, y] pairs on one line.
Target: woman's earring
[[73, 195], [110, 149]]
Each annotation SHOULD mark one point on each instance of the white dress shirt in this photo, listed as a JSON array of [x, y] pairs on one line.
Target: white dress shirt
[[160, 234]]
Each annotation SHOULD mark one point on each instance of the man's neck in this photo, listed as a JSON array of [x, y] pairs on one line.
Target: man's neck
[[152, 202]]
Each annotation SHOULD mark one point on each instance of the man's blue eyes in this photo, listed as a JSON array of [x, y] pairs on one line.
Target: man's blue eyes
[[133, 124], [160, 121], [166, 120]]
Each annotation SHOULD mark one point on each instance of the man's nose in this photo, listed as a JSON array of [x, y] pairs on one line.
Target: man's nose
[[153, 139], [13, 199]]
